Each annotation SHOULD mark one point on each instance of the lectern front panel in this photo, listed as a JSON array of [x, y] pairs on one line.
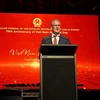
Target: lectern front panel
[[58, 80]]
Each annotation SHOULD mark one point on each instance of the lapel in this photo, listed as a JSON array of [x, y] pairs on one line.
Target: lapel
[[60, 39], [50, 39]]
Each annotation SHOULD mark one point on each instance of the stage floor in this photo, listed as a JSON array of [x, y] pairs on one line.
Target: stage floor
[[16, 95]]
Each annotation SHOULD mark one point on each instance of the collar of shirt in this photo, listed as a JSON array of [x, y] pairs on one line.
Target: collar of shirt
[[54, 35]]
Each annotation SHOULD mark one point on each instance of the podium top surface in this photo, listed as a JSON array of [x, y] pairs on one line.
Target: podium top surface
[[59, 49]]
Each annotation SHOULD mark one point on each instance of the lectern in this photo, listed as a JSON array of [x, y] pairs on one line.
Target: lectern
[[58, 72]]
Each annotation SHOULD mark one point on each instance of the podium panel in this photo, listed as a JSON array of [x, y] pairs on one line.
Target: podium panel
[[58, 72], [58, 78]]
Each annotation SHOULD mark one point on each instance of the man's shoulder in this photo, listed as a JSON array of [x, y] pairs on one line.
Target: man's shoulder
[[46, 37], [64, 37]]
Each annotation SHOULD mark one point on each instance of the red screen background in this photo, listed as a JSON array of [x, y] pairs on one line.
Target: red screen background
[[20, 40]]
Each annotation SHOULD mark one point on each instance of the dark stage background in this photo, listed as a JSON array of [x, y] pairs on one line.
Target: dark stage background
[[68, 7]]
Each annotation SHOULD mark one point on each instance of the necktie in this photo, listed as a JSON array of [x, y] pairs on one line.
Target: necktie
[[55, 40]]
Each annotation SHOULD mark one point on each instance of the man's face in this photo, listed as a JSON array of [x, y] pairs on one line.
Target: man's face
[[56, 27]]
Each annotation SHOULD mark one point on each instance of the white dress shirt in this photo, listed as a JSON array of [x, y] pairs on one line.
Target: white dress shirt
[[57, 37]]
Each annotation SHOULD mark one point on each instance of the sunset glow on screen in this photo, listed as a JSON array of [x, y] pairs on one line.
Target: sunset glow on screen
[[20, 39]]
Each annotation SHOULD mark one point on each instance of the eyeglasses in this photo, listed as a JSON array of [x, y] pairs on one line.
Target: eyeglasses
[[56, 25]]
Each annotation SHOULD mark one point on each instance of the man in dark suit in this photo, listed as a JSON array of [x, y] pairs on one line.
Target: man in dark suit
[[55, 37]]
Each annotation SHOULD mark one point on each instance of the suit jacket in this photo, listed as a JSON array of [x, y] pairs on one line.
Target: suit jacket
[[62, 40]]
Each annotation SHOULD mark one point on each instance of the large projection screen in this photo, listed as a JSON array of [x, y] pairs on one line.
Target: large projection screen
[[20, 39]]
